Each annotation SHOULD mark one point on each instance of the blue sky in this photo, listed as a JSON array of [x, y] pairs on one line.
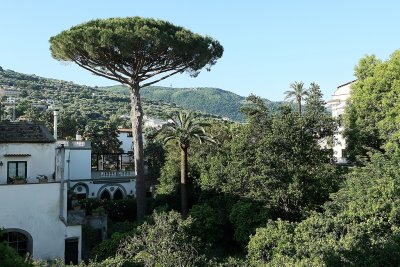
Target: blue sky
[[268, 44]]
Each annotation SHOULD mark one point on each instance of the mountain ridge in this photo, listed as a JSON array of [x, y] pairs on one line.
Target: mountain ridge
[[211, 100], [158, 100]]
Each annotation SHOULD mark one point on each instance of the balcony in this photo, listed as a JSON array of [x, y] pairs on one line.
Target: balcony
[[118, 167]]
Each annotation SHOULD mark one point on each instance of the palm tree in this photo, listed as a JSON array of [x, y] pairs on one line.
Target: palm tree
[[183, 128], [297, 93]]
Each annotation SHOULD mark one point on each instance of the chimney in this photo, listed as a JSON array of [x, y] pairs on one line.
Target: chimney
[[78, 136], [55, 113]]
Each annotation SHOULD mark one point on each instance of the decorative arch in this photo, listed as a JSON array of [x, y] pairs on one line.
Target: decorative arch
[[81, 190], [112, 189], [18, 239]]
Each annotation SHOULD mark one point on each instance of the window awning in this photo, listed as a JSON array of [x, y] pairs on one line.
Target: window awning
[[17, 155]]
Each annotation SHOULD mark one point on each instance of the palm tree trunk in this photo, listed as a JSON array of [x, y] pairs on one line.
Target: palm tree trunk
[[136, 119], [299, 104], [184, 181]]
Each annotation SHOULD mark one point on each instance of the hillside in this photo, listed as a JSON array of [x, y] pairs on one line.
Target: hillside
[[104, 102], [209, 100], [79, 101]]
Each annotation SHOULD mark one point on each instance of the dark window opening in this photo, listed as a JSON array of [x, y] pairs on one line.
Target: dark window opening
[[16, 169], [71, 251], [118, 194], [344, 153], [105, 195], [17, 241]]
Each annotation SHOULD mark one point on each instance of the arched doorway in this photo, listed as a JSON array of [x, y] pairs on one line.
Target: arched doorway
[[118, 194], [19, 240], [105, 195]]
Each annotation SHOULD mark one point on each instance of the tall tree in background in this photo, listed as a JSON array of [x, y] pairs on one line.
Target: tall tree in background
[[104, 137], [298, 93], [131, 51], [317, 120], [183, 129]]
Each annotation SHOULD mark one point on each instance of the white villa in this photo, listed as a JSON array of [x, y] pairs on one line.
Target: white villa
[[38, 174], [338, 104], [34, 214]]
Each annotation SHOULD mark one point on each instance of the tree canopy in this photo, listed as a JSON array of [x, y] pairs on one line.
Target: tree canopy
[[359, 227], [297, 94], [373, 111], [134, 49]]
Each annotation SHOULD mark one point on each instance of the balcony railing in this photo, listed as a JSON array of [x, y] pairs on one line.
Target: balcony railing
[[113, 162], [75, 144], [112, 174]]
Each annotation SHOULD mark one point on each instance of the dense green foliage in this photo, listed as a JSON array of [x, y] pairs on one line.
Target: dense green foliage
[[117, 210], [276, 160], [164, 242], [9, 258], [209, 100], [318, 122], [373, 112], [103, 136], [359, 227], [269, 168], [255, 213]]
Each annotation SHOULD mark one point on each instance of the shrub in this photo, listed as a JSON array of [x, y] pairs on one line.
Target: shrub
[[9, 258], [275, 238], [207, 223], [117, 210], [246, 216], [164, 242]]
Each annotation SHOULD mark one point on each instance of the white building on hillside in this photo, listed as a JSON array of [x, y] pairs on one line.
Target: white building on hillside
[[33, 193], [38, 176], [338, 104]]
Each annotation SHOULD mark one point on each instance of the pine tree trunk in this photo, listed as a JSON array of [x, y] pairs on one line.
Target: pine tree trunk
[[184, 181], [136, 119]]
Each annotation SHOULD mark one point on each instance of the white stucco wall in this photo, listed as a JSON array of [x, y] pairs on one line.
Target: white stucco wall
[[338, 105], [126, 142], [79, 166], [35, 208], [40, 162]]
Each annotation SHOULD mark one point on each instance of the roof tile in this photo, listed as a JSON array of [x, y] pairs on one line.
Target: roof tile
[[24, 132]]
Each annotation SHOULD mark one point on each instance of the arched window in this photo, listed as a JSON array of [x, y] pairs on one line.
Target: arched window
[[81, 191], [20, 240], [118, 194], [105, 195]]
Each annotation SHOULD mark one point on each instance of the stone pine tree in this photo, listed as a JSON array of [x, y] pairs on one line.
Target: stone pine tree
[[137, 52]]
